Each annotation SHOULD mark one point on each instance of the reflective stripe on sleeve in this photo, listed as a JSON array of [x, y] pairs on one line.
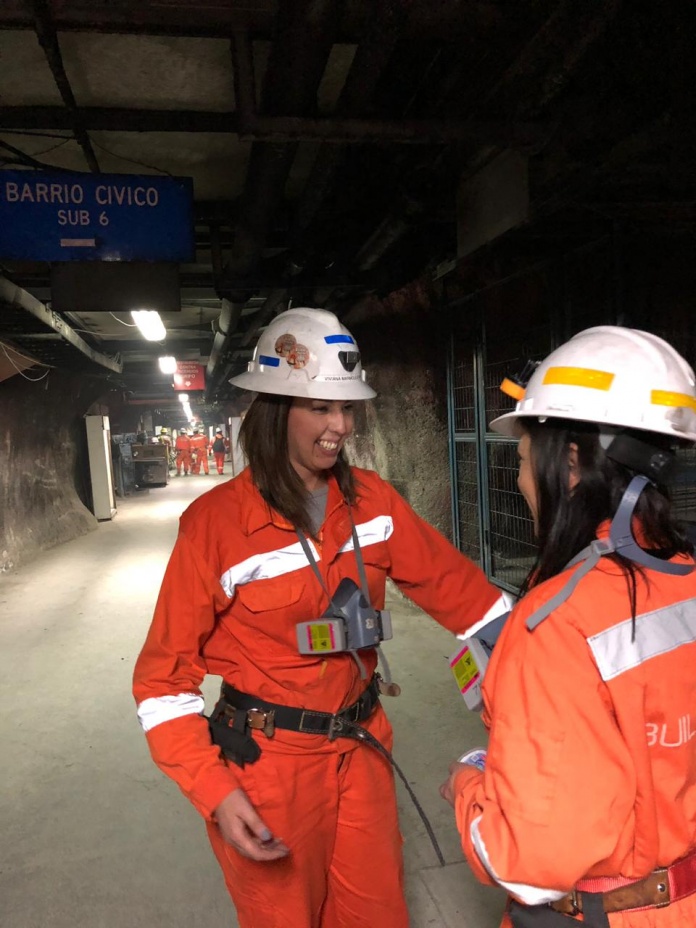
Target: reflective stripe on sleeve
[[266, 565], [657, 632], [158, 709], [370, 533], [526, 893]]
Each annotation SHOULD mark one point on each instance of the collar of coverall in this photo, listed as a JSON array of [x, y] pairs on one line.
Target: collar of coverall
[[259, 514]]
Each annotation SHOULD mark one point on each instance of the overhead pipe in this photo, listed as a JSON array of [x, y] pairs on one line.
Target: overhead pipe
[[13, 296]]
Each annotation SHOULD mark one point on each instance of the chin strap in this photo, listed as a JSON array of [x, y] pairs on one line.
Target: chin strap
[[621, 541]]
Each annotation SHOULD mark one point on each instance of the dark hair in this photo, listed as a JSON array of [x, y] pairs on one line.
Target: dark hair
[[264, 439], [567, 520]]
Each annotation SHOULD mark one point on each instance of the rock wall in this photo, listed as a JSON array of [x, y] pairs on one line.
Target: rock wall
[[402, 434], [44, 484]]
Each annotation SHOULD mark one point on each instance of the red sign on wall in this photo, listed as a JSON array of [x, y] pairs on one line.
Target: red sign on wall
[[189, 376]]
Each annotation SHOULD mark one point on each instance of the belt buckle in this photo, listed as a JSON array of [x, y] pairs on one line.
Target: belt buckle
[[335, 727], [261, 720]]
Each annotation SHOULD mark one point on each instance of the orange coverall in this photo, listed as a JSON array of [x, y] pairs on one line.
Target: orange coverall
[[219, 447], [183, 453], [591, 770], [236, 586], [199, 446]]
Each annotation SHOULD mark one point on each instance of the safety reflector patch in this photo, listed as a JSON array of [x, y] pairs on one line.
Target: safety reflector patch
[[579, 377], [669, 398], [338, 339], [269, 361]]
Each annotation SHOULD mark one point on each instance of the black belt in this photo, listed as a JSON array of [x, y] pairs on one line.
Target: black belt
[[267, 716]]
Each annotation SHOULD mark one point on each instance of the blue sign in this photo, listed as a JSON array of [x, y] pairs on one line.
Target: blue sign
[[95, 217]]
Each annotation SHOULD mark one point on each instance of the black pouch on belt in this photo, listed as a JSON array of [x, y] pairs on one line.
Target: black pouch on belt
[[541, 916], [228, 729]]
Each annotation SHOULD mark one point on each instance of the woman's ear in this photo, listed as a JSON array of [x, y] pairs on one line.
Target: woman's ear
[[573, 466]]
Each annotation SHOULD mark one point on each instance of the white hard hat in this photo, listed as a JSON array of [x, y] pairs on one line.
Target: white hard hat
[[612, 376], [306, 352]]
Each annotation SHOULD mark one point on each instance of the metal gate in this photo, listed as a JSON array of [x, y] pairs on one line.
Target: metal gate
[[493, 333]]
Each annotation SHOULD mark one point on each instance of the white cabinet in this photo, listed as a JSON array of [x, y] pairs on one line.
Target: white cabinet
[[100, 467]]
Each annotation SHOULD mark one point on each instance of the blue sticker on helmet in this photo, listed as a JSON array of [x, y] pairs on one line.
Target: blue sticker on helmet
[[268, 361], [337, 339]]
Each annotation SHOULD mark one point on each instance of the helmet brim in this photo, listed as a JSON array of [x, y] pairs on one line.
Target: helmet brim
[[509, 425], [313, 389]]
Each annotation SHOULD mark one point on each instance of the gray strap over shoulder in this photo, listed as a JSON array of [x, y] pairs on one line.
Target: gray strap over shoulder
[[622, 541], [621, 534]]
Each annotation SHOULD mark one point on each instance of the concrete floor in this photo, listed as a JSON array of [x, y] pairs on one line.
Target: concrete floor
[[93, 835]]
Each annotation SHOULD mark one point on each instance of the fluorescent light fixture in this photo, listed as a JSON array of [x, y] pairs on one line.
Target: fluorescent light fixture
[[167, 364], [183, 397], [151, 326]]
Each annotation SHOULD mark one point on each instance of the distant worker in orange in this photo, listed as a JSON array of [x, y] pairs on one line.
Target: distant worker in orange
[[277, 583], [183, 453], [219, 448], [584, 806], [199, 451]]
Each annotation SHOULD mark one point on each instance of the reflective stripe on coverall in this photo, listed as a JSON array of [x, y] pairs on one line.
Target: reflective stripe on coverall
[[183, 453], [236, 586], [590, 769]]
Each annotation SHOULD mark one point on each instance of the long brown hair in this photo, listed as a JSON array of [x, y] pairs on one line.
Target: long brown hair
[[264, 440], [568, 519]]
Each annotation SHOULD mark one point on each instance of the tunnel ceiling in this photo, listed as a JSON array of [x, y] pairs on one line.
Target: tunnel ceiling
[[326, 139]]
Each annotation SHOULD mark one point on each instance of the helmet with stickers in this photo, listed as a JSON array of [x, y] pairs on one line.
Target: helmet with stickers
[[309, 353], [616, 377]]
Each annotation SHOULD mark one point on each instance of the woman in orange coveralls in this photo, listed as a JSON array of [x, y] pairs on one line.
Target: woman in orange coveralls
[[306, 833], [586, 798]]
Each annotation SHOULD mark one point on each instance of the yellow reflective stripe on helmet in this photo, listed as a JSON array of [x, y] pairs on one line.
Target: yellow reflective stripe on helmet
[[579, 377], [668, 398]]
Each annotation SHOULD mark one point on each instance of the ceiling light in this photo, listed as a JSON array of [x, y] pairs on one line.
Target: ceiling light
[[167, 364], [150, 325], [183, 397]]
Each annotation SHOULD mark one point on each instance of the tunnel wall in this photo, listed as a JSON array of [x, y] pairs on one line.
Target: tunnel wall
[[402, 433], [404, 339], [44, 487]]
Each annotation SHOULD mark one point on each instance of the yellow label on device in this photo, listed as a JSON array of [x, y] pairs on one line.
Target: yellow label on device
[[320, 636], [464, 669]]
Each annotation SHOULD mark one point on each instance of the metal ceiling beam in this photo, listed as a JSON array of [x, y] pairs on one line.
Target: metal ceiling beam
[[371, 58], [256, 128], [218, 19], [48, 39], [16, 298], [305, 31]]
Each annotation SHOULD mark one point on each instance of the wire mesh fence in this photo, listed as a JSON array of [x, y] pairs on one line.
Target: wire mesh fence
[[494, 334], [468, 514]]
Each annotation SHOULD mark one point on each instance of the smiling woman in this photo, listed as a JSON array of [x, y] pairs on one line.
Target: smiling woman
[[277, 583]]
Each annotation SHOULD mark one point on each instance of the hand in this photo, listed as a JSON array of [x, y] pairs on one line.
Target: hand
[[241, 827], [447, 788]]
